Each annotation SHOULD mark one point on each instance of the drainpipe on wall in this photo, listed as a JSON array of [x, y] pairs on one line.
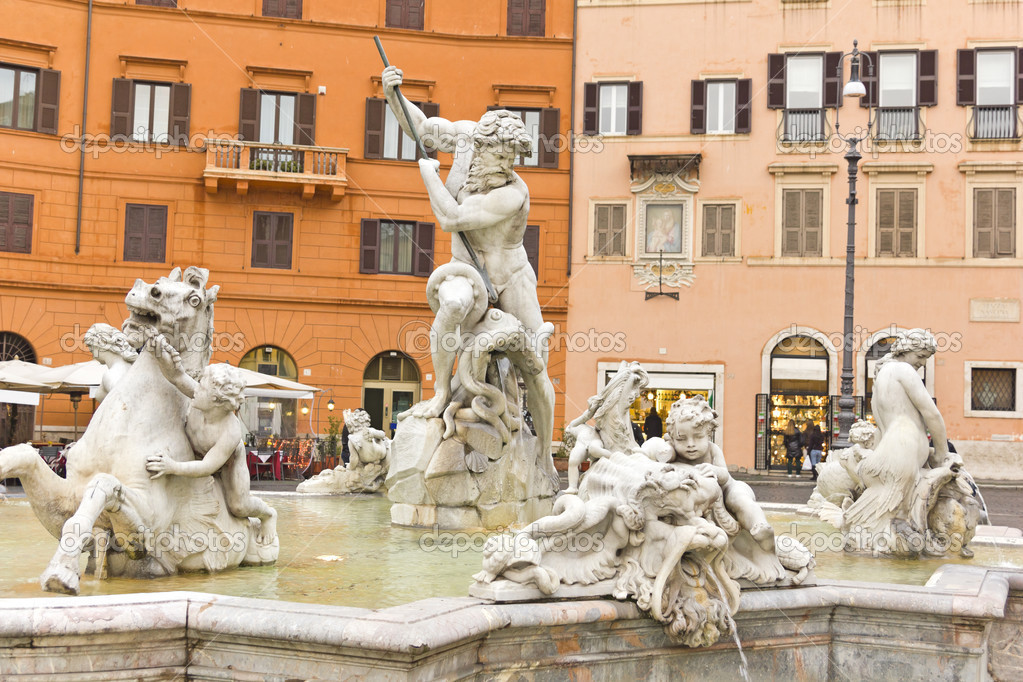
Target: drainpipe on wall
[[81, 138], [571, 132]]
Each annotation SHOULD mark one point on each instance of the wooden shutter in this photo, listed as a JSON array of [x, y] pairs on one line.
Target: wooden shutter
[[248, 115], [905, 225], [983, 222], [422, 249], [49, 101], [601, 230], [262, 239], [591, 93], [775, 81], [792, 223], [305, 118], [927, 78], [711, 220], [698, 108], [517, 17], [869, 76], [16, 222], [726, 230], [617, 230], [272, 8], [404, 14], [430, 110], [634, 115], [1005, 222], [1019, 75], [886, 222], [369, 247], [813, 227], [283, 237], [966, 77], [550, 143], [536, 19], [134, 232], [395, 14], [373, 147], [121, 109], [531, 243], [743, 104], [832, 80], [180, 105], [414, 14]]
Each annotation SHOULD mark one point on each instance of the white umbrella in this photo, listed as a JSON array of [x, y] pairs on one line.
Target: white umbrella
[[78, 377], [18, 375], [268, 386]]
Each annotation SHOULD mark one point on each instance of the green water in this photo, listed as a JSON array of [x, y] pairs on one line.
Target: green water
[[344, 551]]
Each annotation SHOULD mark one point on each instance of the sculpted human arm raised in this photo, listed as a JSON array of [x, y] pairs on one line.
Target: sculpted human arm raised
[[435, 132], [169, 360], [476, 210]]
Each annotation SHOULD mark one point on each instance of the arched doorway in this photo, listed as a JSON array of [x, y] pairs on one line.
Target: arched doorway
[[878, 349], [17, 421], [390, 385], [269, 416], [799, 371]]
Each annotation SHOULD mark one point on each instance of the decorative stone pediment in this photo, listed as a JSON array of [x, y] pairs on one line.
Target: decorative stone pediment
[[665, 173]]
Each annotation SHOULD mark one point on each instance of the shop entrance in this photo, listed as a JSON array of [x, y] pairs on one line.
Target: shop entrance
[[799, 396], [390, 385]]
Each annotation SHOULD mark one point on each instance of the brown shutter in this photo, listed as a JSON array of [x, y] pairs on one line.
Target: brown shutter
[[591, 92], [698, 108], [293, 9], [369, 247], [305, 118], [743, 103], [791, 227], [262, 239], [869, 77], [430, 110], [49, 101], [726, 230], [531, 243], [1019, 75], [180, 104], [414, 14], [6, 199], [812, 222], [983, 222], [272, 8], [283, 237], [516, 17], [927, 78], [905, 226], [550, 143], [156, 234], [886, 222], [775, 81], [134, 232], [422, 244], [20, 232], [395, 14], [634, 115], [121, 110], [618, 230], [832, 80], [536, 20], [373, 147], [601, 230], [1005, 222], [966, 77], [711, 218], [248, 115]]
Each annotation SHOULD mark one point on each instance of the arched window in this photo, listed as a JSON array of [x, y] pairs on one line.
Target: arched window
[[17, 422], [268, 416], [390, 385], [15, 347]]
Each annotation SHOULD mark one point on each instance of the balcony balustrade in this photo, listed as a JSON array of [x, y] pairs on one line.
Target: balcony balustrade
[[255, 164]]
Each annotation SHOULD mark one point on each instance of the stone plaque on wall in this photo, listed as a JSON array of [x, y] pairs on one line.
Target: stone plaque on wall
[[994, 310]]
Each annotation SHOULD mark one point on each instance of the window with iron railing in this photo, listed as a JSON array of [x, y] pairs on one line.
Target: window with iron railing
[[804, 86], [987, 80]]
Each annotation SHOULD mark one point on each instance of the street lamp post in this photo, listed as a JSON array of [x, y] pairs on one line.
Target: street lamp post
[[853, 88]]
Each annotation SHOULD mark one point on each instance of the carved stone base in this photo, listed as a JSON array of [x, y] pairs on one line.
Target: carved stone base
[[447, 483]]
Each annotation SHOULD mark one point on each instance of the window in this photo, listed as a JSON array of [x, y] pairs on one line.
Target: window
[[718, 230], [896, 222], [801, 222], [803, 85], [531, 243], [994, 222], [542, 125], [145, 233], [277, 117], [993, 390], [150, 112], [527, 17], [285, 9], [158, 3], [609, 230], [29, 98], [405, 14], [988, 80], [16, 222], [382, 131], [901, 83], [720, 107], [613, 108], [396, 247], [272, 239]]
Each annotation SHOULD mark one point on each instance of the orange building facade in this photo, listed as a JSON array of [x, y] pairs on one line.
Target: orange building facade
[[250, 139]]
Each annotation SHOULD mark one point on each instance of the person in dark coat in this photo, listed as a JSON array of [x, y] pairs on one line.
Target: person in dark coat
[[813, 439], [653, 427], [793, 442], [637, 433]]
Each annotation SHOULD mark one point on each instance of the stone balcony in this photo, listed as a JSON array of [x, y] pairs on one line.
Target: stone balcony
[[275, 166]]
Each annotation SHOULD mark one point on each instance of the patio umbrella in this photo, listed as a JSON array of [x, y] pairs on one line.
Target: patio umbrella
[[18, 375], [268, 386]]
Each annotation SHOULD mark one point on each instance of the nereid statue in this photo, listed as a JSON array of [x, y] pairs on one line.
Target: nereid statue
[[891, 492], [465, 458], [367, 464], [135, 497], [674, 535]]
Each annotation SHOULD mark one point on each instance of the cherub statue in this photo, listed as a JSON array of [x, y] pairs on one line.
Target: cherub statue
[[110, 346], [215, 431], [612, 431], [838, 482]]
